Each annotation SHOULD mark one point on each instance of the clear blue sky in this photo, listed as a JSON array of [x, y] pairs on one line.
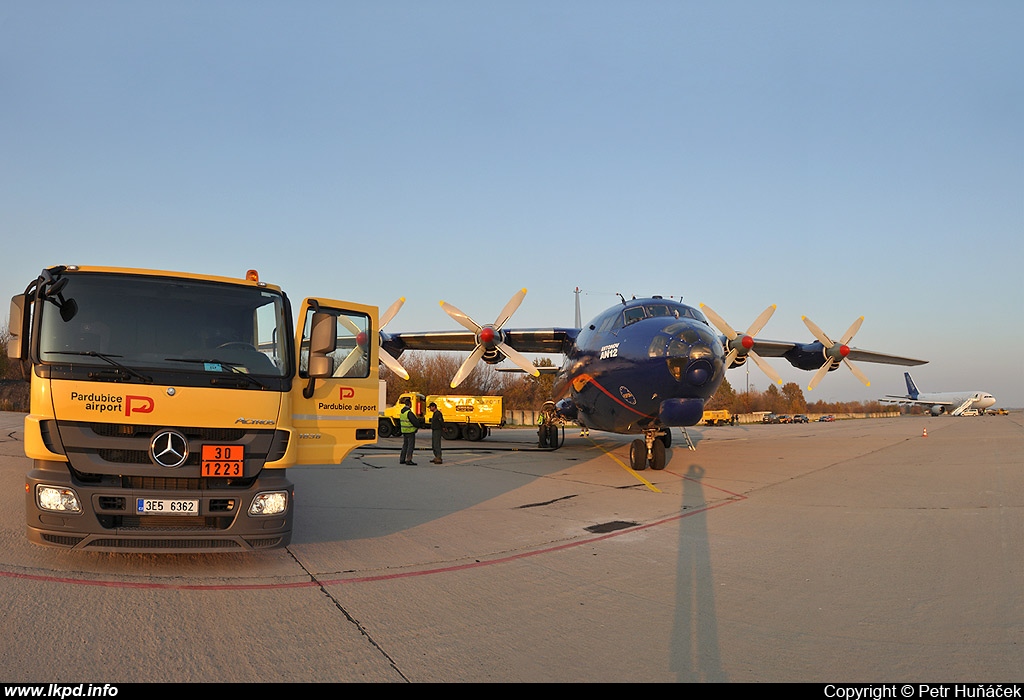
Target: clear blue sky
[[836, 159]]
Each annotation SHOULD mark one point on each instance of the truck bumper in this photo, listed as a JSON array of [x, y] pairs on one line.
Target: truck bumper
[[110, 521]]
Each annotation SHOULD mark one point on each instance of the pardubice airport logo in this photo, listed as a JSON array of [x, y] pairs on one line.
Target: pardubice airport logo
[[169, 448]]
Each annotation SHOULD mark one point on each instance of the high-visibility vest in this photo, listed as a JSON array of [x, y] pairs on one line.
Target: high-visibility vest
[[405, 421]]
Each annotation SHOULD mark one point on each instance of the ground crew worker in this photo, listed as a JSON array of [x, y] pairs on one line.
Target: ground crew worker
[[542, 432], [436, 424], [409, 423]]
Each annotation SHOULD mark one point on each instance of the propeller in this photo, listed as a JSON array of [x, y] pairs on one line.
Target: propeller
[[361, 340], [489, 338], [835, 352], [385, 357], [743, 345]]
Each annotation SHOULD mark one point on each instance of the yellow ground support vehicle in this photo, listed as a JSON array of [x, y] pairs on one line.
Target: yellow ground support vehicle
[[467, 417], [720, 417], [167, 407]]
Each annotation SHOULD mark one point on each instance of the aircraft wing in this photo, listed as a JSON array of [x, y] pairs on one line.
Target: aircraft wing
[[539, 340], [888, 398], [778, 348]]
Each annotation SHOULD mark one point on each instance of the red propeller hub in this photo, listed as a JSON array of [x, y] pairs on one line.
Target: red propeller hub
[[487, 335], [747, 342], [844, 350], [361, 339]]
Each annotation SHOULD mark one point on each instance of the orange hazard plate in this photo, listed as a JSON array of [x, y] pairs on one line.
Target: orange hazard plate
[[222, 460]]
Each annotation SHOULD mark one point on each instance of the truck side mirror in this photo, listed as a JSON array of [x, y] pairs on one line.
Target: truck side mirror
[[323, 340], [16, 349]]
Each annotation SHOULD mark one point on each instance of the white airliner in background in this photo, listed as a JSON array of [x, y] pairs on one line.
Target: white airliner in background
[[952, 402]]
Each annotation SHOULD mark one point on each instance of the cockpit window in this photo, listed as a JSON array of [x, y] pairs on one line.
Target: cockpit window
[[618, 318], [607, 322], [691, 312], [658, 310], [633, 315]]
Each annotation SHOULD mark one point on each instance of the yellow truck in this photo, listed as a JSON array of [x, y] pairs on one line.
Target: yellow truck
[[720, 417], [167, 407], [467, 417]]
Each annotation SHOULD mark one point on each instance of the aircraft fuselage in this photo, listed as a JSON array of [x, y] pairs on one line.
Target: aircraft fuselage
[[645, 363]]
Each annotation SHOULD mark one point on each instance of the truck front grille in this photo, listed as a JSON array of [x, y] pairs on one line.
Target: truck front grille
[[99, 451]]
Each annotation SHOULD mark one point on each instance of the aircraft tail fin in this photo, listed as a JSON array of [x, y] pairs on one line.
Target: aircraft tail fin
[[912, 390]]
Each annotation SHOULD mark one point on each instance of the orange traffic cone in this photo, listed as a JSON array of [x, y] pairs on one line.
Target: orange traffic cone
[[925, 433]]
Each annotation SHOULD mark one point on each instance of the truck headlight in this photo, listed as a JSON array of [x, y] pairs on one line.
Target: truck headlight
[[57, 499], [269, 503]]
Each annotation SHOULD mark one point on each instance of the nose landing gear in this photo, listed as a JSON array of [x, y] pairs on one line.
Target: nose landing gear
[[650, 450]]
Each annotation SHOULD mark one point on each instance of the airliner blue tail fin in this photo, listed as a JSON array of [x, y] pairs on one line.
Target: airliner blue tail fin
[[912, 391]]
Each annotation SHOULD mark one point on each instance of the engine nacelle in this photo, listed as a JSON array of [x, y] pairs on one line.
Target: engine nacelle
[[492, 356], [808, 356], [937, 410]]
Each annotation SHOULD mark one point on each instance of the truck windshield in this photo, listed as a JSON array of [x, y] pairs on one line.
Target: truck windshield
[[140, 322]]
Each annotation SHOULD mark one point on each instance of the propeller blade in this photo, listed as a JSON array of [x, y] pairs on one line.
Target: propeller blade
[[760, 321], [393, 364], [719, 322], [817, 332], [467, 366], [349, 362], [384, 356], [765, 367], [510, 308], [357, 352], [390, 312], [518, 359], [732, 356], [822, 371], [461, 318], [856, 372], [851, 331], [347, 322]]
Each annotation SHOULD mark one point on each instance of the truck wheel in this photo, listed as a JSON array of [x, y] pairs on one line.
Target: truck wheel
[[472, 432], [383, 428], [450, 431]]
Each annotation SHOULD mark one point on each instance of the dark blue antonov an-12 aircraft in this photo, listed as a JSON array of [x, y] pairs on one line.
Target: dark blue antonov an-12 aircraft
[[640, 367]]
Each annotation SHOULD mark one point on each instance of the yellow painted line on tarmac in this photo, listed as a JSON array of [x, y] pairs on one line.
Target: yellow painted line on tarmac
[[629, 469]]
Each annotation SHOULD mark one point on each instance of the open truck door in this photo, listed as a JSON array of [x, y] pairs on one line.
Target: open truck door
[[335, 393]]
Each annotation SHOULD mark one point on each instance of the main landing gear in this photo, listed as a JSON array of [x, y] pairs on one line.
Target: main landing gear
[[650, 449]]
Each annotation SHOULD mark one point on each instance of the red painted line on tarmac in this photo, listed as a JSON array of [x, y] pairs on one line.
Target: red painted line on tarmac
[[684, 477], [523, 555], [736, 498]]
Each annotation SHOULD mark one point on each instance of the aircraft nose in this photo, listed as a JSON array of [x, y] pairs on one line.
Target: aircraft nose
[[690, 355]]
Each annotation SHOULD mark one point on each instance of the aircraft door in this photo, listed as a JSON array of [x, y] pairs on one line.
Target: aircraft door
[[334, 398]]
